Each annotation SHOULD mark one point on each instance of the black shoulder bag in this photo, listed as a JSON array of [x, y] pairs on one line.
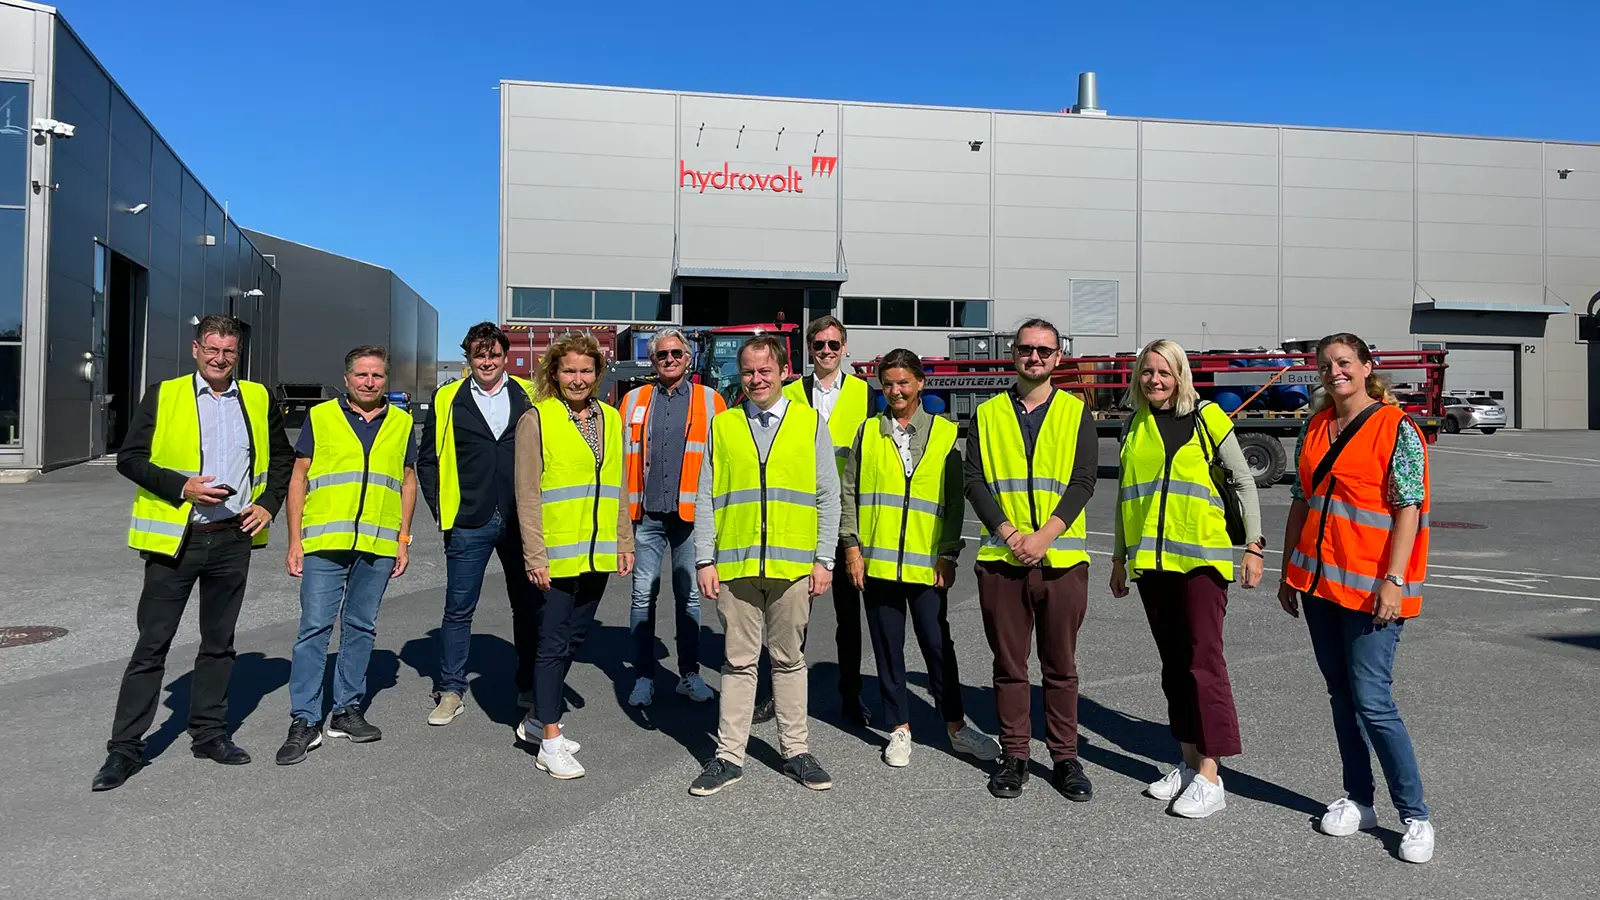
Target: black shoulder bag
[[1232, 506]]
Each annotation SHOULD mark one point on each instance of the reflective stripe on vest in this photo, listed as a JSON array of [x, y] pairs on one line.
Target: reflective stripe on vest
[[578, 496], [353, 495], [1172, 518], [1343, 550], [900, 519], [159, 526], [765, 512], [704, 404], [1028, 489], [849, 411], [444, 445]]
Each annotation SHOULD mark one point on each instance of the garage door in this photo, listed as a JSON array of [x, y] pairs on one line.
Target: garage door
[[1484, 369]]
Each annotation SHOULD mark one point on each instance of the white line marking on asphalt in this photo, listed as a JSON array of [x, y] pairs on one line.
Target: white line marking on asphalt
[[1525, 457]]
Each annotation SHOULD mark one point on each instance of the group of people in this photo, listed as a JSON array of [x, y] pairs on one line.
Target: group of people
[[759, 505]]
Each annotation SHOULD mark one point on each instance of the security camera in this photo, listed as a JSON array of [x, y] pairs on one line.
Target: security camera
[[1563, 173], [54, 128]]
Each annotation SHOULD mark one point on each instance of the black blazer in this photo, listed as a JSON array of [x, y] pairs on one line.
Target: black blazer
[[485, 465], [133, 460]]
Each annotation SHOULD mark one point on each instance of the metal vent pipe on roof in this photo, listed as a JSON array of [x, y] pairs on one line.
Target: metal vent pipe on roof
[[1088, 93]]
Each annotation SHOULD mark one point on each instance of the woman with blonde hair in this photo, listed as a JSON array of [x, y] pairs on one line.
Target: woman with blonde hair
[[1355, 557], [1172, 541], [575, 528]]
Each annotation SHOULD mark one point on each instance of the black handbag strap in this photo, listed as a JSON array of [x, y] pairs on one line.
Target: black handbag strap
[[1200, 423], [1328, 459]]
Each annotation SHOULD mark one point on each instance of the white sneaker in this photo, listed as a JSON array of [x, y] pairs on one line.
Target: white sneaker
[[975, 743], [1172, 784], [644, 693], [558, 761], [1346, 817], [531, 731], [694, 687], [1417, 845], [898, 753], [1200, 799]]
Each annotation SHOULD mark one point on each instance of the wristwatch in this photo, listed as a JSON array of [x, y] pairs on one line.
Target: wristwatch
[[1395, 580], [826, 563]]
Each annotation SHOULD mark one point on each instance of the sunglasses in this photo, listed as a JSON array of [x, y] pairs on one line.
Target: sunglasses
[[818, 346], [674, 353], [1023, 351]]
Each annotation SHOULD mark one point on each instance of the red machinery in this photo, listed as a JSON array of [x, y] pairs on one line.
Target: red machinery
[[1103, 382]]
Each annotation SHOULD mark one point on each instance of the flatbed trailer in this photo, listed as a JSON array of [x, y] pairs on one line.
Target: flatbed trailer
[[1103, 383]]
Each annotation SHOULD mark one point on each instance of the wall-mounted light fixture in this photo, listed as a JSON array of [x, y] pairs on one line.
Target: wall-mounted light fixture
[[975, 145], [1563, 173], [135, 210], [208, 240], [254, 292]]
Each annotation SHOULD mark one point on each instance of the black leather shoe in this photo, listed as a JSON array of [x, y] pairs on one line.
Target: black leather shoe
[[766, 710], [1069, 779], [119, 767], [221, 750], [856, 712], [1007, 781]]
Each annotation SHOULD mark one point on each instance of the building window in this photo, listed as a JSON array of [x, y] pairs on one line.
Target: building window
[[574, 305], [897, 312], [14, 136], [530, 303], [613, 306], [649, 306], [616, 307], [14, 124]]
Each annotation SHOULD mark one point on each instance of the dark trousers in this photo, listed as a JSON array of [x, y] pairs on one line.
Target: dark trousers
[[886, 605], [220, 561], [1185, 613], [1014, 599], [847, 611], [466, 557], [565, 613]]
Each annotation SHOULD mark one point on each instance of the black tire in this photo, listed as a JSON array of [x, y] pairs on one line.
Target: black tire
[[1488, 430], [1452, 425], [1266, 457]]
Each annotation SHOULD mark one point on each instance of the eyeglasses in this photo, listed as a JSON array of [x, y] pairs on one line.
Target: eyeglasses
[[214, 352], [819, 346], [674, 353], [1024, 351]]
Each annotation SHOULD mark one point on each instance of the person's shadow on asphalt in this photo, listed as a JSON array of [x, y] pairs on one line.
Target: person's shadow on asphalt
[[693, 725], [255, 676], [491, 672]]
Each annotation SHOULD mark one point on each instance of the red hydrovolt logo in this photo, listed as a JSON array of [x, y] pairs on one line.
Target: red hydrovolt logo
[[729, 179], [823, 165]]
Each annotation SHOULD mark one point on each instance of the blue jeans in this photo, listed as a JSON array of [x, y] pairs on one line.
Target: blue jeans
[[466, 555], [651, 537], [345, 586], [1356, 657]]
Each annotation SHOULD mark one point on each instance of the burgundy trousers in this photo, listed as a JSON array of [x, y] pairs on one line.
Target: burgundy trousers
[[1185, 612], [1017, 604]]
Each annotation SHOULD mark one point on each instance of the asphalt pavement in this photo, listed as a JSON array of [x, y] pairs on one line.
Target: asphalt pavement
[[1496, 680]]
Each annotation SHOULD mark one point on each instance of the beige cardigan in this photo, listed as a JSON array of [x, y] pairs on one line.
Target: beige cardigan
[[530, 507]]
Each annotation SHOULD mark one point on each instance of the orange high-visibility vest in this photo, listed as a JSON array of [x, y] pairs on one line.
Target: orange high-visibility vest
[[1343, 551], [704, 403]]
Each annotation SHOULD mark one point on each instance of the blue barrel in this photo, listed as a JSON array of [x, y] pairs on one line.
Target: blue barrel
[[1229, 400], [879, 402], [1286, 396], [935, 402]]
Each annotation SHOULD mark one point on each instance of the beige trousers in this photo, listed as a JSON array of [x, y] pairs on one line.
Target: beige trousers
[[747, 607]]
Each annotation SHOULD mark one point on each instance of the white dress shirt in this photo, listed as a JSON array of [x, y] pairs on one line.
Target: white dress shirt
[[224, 449], [824, 398], [495, 404]]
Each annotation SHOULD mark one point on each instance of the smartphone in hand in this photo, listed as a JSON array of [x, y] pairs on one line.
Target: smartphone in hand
[[227, 490]]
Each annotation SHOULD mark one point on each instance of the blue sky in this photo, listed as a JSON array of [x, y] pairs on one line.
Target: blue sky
[[372, 129]]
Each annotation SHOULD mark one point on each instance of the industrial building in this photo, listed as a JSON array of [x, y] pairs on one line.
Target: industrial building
[[338, 303], [110, 250], [914, 223]]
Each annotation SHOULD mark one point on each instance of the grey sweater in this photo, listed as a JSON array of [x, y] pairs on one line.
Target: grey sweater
[[705, 529]]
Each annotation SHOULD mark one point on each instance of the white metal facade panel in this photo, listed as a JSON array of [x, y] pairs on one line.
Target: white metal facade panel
[[1487, 370]]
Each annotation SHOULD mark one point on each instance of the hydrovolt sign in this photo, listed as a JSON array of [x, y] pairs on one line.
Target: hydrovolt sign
[[728, 178]]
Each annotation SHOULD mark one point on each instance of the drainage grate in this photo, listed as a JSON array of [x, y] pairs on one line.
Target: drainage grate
[[1466, 526], [21, 635], [1526, 480]]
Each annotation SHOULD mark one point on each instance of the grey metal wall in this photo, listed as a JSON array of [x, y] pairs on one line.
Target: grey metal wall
[[427, 352], [1217, 235]]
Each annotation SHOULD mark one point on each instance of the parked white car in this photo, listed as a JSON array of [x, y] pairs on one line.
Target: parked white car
[[1478, 411]]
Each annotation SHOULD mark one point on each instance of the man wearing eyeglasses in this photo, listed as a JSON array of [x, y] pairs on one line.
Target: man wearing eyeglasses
[[665, 426], [1031, 465], [841, 399], [212, 464]]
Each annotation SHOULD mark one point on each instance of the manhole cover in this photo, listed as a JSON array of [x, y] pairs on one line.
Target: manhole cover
[[1467, 526], [1526, 480], [20, 635]]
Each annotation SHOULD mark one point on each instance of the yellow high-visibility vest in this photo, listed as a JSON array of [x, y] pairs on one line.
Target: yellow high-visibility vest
[[444, 445], [159, 526], [899, 518], [1028, 489], [849, 411], [579, 495], [1172, 519], [353, 495], [765, 512]]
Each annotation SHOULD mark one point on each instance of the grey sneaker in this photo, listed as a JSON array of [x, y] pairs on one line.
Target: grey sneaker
[[975, 744], [804, 768], [898, 753], [718, 774], [448, 705]]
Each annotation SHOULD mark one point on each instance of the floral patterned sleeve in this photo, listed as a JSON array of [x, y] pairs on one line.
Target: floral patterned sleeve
[[1295, 493], [1407, 484]]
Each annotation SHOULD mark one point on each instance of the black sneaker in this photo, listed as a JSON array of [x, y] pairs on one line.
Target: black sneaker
[[804, 768], [1007, 781], [349, 723], [718, 774], [765, 711], [1069, 779], [303, 738]]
